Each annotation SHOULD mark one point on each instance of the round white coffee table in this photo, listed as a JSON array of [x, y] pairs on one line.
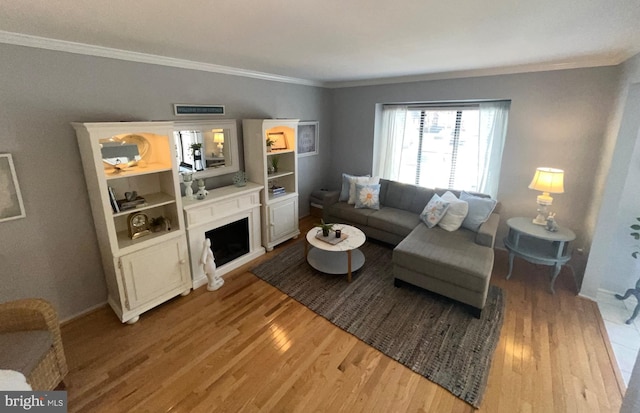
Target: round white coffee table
[[341, 258]]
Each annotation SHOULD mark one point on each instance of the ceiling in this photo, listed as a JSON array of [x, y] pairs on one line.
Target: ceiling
[[332, 42]]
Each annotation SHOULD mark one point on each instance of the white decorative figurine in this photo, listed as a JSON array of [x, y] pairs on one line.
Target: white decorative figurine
[[552, 226], [209, 265], [202, 192]]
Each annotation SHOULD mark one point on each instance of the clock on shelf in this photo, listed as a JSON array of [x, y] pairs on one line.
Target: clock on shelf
[[138, 224]]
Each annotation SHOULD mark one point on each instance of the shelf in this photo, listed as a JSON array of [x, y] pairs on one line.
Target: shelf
[[136, 171], [152, 201], [279, 151], [539, 251], [125, 242], [277, 198], [278, 174]]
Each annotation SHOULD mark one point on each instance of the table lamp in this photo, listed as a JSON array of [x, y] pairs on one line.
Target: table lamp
[[548, 181], [219, 139]]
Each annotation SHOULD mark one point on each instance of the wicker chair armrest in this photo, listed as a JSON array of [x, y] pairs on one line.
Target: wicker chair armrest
[[28, 314], [34, 314]]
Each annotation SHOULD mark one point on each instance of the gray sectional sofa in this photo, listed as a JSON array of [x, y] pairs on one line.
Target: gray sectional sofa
[[454, 264]]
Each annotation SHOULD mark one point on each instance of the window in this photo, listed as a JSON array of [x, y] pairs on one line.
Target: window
[[442, 146]]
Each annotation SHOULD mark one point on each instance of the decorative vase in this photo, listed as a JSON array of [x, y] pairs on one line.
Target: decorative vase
[[325, 232], [197, 160], [240, 179]]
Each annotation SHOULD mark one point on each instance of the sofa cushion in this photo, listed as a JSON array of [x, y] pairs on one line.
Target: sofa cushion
[[23, 350], [456, 212], [368, 196], [480, 210], [453, 257], [393, 220], [434, 211], [404, 196], [343, 212]]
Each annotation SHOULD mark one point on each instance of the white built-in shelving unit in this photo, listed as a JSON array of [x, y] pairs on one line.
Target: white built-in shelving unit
[[144, 272], [279, 210]]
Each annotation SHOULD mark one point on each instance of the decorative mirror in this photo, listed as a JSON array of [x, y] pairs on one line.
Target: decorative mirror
[[123, 151], [207, 147]]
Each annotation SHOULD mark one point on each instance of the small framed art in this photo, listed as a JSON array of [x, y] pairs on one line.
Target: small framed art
[[11, 206], [278, 140], [308, 138]]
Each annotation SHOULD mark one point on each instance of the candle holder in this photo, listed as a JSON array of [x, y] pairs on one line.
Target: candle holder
[[187, 179]]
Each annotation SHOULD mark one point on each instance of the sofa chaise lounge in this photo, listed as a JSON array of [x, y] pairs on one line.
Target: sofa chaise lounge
[[454, 264]]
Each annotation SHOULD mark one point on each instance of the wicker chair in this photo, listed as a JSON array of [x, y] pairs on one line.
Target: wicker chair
[[19, 320]]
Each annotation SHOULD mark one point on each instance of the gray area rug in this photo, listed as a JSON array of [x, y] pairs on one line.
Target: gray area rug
[[432, 335]]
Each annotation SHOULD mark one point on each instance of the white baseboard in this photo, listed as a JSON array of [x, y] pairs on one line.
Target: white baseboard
[[83, 312]]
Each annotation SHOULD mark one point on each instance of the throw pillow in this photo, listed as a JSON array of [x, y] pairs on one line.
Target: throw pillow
[[368, 196], [480, 210], [359, 180], [346, 186], [434, 211], [456, 213]]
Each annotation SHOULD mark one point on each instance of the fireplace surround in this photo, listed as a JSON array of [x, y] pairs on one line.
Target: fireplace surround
[[230, 218]]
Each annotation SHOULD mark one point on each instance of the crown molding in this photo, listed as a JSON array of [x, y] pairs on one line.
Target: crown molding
[[507, 70], [20, 39], [100, 51]]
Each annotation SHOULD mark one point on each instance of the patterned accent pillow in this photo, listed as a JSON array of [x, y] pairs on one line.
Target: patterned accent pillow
[[368, 196], [360, 180], [456, 213], [434, 211]]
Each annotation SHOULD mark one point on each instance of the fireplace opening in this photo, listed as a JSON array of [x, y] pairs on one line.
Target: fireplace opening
[[230, 241]]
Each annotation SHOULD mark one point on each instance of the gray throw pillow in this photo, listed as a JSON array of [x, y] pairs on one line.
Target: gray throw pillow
[[480, 210]]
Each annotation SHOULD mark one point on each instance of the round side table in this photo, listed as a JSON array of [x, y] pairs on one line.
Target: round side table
[[537, 245]]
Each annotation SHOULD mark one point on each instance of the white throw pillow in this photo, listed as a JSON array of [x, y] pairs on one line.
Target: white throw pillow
[[363, 180], [456, 213], [346, 185]]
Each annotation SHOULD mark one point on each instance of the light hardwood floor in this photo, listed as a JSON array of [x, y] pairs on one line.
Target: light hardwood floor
[[248, 347]]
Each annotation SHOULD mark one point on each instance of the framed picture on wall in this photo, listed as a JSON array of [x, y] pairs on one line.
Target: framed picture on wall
[[308, 138], [11, 206]]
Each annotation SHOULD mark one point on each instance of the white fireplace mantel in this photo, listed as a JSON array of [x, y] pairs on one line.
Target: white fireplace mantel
[[221, 207]]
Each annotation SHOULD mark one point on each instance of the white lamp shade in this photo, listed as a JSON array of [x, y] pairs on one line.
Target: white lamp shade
[[548, 180], [218, 137]]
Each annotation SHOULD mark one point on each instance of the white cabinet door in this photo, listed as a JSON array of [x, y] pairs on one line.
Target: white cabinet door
[[153, 272], [283, 219]]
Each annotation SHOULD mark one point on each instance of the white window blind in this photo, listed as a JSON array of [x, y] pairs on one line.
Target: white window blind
[[443, 146]]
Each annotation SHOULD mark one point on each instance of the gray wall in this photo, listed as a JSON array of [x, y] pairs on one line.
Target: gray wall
[[52, 253], [557, 119], [611, 266]]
